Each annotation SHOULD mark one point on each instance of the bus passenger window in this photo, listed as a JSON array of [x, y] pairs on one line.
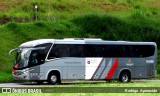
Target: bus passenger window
[[76, 50], [52, 55], [58, 51]]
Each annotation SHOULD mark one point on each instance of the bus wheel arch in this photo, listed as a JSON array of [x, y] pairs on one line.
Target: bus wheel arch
[[125, 75], [54, 77]]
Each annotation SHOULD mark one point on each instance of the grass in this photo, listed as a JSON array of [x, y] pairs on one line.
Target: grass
[[113, 84], [6, 77], [86, 94], [49, 10]]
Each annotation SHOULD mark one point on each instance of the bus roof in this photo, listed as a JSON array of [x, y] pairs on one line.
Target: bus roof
[[36, 42], [81, 41]]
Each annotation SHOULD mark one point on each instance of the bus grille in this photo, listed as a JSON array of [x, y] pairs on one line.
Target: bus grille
[[150, 70]]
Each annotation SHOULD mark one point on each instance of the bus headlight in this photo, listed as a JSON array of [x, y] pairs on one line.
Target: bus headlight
[[18, 73]]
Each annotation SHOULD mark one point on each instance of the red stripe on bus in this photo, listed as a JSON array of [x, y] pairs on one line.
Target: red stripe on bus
[[113, 70], [97, 69]]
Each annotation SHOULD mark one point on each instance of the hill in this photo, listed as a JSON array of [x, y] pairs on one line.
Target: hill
[[51, 10]]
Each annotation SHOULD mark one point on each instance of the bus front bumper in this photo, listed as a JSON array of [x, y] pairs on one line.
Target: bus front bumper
[[20, 75]]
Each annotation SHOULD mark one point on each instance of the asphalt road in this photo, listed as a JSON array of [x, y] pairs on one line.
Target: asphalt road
[[34, 84]]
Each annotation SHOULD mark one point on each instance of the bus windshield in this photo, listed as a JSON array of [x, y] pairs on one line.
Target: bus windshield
[[36, 57], [28, 58], [21, 60]]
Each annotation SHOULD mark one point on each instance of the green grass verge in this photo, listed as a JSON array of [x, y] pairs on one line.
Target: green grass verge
[[50, 10], [113, 84], [86, 94], [6, 77]]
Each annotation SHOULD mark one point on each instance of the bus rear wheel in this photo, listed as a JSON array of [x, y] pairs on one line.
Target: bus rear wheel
[[124, 77], [53, 79]]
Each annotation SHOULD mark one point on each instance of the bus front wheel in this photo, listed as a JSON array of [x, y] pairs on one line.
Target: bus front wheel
[[124, 77], [53, 79]]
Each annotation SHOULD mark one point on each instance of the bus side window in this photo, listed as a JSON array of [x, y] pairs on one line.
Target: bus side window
[[43, 53], [146, 50], [59, 50], [113, 51], [63, 50], [99, 50], [125, 51], [136, 51], [77, 50], [53, 53]]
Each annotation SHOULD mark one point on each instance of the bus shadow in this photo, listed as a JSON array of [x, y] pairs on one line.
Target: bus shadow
[[68, 83]]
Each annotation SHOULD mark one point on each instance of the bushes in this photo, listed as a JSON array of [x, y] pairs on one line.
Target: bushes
[[113, 28]]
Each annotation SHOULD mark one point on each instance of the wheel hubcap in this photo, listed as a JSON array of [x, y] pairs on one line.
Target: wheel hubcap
[[53, 78], [124, 78]]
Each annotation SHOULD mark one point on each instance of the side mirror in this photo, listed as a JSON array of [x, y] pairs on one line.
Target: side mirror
[[10, 52]]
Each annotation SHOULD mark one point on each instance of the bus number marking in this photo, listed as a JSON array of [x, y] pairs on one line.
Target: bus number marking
[[149, 61]]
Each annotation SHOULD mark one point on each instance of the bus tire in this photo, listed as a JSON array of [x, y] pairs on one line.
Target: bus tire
[[53, 79], [125, 77]]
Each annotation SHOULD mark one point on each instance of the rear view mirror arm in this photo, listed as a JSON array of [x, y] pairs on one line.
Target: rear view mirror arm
[[10, 52]]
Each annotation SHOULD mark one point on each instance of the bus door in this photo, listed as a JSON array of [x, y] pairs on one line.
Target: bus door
[[35, 60]]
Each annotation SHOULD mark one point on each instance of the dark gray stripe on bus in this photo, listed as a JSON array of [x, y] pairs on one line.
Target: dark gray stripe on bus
[[97, 68], [103, 70]]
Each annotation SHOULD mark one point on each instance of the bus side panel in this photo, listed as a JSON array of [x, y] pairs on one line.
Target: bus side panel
[[34, 73], [76, 72], [111, 68], [93, 67], [53, 65], [122, 68], [75, 67], [139, 67], [151, 63], [99, 72], [69, 68], [64, 73], [123, 64], [105, 68]]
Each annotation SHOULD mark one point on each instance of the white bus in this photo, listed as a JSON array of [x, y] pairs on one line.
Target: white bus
[[54, 60]]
